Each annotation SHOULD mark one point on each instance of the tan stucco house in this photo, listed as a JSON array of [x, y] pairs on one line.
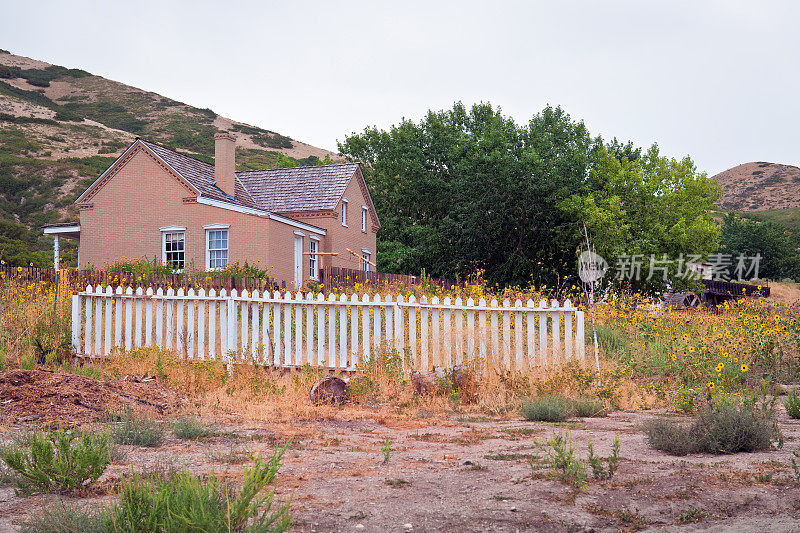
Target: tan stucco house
[[153, 202]]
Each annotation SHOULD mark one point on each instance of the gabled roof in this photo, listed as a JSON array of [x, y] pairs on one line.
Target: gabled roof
[[200, 174], [297, 189], [282, 190]]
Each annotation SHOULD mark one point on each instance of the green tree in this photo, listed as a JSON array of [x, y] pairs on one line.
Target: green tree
[[648, 207], [465, 190], [777, 246]]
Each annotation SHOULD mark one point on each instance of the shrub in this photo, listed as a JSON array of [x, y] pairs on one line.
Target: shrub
[[64, 518], [598, 470], [186, 502], [718, 429], [57, 461], [137, 429], [563, 461], [792, 404], [190, 429], [547, 409], [670, 437], [179, 501], [589, 407]]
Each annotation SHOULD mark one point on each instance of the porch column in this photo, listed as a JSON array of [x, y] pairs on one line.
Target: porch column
[[55, 252]]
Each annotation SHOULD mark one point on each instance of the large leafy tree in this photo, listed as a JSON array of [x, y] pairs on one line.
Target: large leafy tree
[[469, 189], [778, 248]]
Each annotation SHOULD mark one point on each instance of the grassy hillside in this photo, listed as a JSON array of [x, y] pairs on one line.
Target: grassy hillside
[[61, 127]]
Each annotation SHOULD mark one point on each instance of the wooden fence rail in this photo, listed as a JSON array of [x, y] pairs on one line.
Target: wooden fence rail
[[337, 331], [82, 278], [337, 278]]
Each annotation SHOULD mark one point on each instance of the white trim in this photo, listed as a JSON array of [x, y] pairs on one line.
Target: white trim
[[299, 233], [314, 238], [164, 231], [364, 215], [223, 227], [366, 250], [63, 229], [232, 207], [313, 258], [302, 225], [260, 212], [345, 203], [117, 160]]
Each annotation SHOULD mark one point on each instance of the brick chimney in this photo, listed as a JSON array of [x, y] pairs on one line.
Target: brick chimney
[[225, 162]]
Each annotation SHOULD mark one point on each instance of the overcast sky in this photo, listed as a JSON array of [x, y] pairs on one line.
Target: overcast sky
[[717, 80]]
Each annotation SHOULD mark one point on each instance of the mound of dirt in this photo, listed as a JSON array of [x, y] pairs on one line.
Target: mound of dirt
[[52, 399]]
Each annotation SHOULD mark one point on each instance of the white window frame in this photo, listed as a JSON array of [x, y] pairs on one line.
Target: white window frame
[[364, 210], [170, 230], [217, 227], [344, 212], [313, 258], [366, 255]]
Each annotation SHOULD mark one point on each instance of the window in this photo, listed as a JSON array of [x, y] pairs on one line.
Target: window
[[365, 255], [344, 212], [216, 246], [313, 260], [173, 247], [364, 219]]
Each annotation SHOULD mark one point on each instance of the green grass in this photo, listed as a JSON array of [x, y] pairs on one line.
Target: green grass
[[190, 429], [548, 409], [136, 429], [792, 404], [789, 218]]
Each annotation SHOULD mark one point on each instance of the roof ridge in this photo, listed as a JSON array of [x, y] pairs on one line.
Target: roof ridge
[[290, 168], [174, 151]]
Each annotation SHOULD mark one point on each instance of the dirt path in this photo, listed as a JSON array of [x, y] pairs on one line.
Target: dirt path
[[475, 474]]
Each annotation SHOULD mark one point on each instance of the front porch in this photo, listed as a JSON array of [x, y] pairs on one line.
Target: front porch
[[67, 231]]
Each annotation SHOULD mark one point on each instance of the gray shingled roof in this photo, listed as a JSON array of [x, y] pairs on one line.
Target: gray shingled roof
[[297, 189], [200, 174], [281, 190]]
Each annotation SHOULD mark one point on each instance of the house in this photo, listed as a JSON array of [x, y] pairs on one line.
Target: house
[[153, 202]]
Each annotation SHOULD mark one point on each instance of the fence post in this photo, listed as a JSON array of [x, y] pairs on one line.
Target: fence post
[[231, 339], [76, 322]]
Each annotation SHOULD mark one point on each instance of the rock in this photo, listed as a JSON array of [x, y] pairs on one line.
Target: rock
[[330, 390], [408, 526], [422, 384]]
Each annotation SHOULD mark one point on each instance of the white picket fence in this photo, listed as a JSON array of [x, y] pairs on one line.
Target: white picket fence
[[289, 330]]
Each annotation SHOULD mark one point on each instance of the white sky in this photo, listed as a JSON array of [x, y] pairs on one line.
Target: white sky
[[717, 80]]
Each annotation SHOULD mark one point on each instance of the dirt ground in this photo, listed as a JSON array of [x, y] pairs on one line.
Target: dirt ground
[[468, 473]]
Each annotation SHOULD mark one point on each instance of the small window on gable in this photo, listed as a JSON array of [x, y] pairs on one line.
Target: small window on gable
[[344, 211], [364, 219]]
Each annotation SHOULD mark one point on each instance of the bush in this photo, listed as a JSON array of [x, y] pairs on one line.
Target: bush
[[64, 518], [190, 429], [137, 429], [185, 502], [57, 461], [792, 404], [564, 462], [589, 407], [179, 501], [547, 409], [718, 429]]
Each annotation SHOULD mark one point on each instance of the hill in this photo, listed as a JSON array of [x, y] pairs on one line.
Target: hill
[[760, 186], [61, 127]]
